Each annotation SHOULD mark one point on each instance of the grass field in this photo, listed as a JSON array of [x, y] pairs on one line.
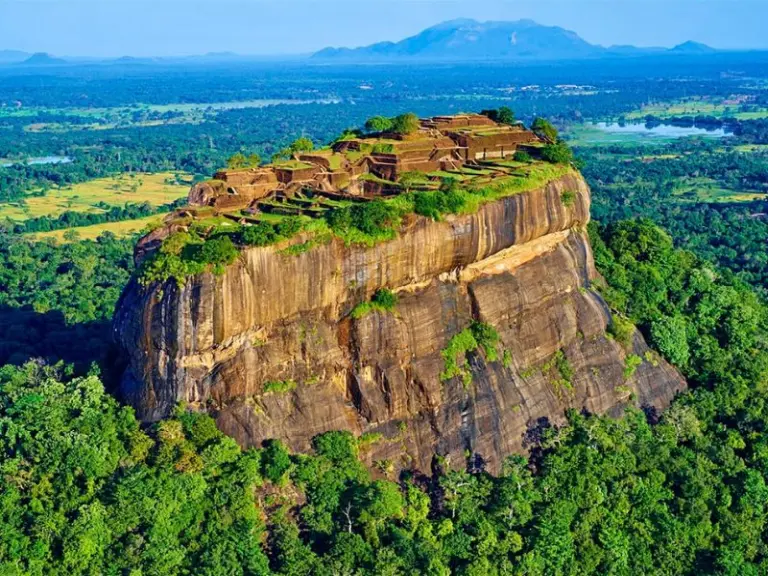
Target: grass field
[[751, 148], [708, 190], [695, 107], [125, 228], [157, 189]]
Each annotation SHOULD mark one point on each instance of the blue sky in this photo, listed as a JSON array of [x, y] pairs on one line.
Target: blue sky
[[179, 27]]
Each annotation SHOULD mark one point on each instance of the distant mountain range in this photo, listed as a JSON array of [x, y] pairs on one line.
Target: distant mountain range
[[19, 58], [473, 40], [455, 40], [13, 56], [43, 59]]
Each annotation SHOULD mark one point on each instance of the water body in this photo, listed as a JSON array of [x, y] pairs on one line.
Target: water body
[[660, 131], [38, 161]]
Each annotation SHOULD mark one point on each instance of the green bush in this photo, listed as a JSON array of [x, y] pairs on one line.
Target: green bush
[[486, 337], [279, 386], [276, 462], [558, 153], [339, 219], [428, 204], [503, 115], [383, 301], [479, 334], [433, 204], [289, 226], [261, 234], [568, 198], [264, 233], [302, 144], [669, 334], [631, 364], [373, 220], [378, 124], [563, 366], [522, 156], [373, 217], [405, 123], [218, 251], [339, 447], [240, 160], [544, 130], [459, 345], [621, 329], [383, 148]]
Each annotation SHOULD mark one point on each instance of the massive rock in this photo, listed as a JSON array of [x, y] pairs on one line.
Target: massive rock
[[522, 264]]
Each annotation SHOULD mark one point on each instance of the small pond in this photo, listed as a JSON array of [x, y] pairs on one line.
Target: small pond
[[659, 131], [38, 161]]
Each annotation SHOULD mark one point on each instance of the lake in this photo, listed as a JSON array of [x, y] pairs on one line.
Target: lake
[[38, 161], [661, 131]]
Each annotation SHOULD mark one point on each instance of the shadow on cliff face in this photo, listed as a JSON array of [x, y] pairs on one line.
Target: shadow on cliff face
[[533, 440], [26, 334]]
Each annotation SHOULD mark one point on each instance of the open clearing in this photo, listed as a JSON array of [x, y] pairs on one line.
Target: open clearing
[[120, 229], [696, 107], [157, 189], [707, 190]]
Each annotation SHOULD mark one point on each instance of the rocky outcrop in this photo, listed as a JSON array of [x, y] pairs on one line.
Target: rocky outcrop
[[269, 348]]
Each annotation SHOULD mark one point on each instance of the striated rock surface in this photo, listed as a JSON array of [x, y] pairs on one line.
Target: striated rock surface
[[522, 265]]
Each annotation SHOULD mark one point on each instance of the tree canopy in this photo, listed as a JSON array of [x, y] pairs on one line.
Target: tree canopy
[[545, 130]]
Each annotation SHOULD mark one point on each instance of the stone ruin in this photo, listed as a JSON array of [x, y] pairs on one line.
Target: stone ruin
[[368, 166]]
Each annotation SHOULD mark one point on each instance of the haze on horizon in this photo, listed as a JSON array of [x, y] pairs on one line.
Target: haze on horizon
[[142, 28]]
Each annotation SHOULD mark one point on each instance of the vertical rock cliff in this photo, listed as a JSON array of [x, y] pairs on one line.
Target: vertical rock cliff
[[270, 350]]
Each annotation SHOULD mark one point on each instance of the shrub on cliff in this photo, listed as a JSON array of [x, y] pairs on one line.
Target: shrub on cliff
[[450, 199], [373, 217], [557, 153], [261, 234], [544, 130], [522, 156], [364, 222], [289, 226], [383, 301], [264, 233], [478, 335], [218, 251], [184, 254], [434, 204]]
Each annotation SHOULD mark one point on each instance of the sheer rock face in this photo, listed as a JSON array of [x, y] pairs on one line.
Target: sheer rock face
[[522, 265]]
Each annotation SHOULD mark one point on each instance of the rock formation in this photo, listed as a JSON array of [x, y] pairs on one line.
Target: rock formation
[[271, 350]]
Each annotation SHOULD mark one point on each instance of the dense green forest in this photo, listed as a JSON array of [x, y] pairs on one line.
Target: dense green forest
[[87, 491], [701, 192], [56, 302]]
